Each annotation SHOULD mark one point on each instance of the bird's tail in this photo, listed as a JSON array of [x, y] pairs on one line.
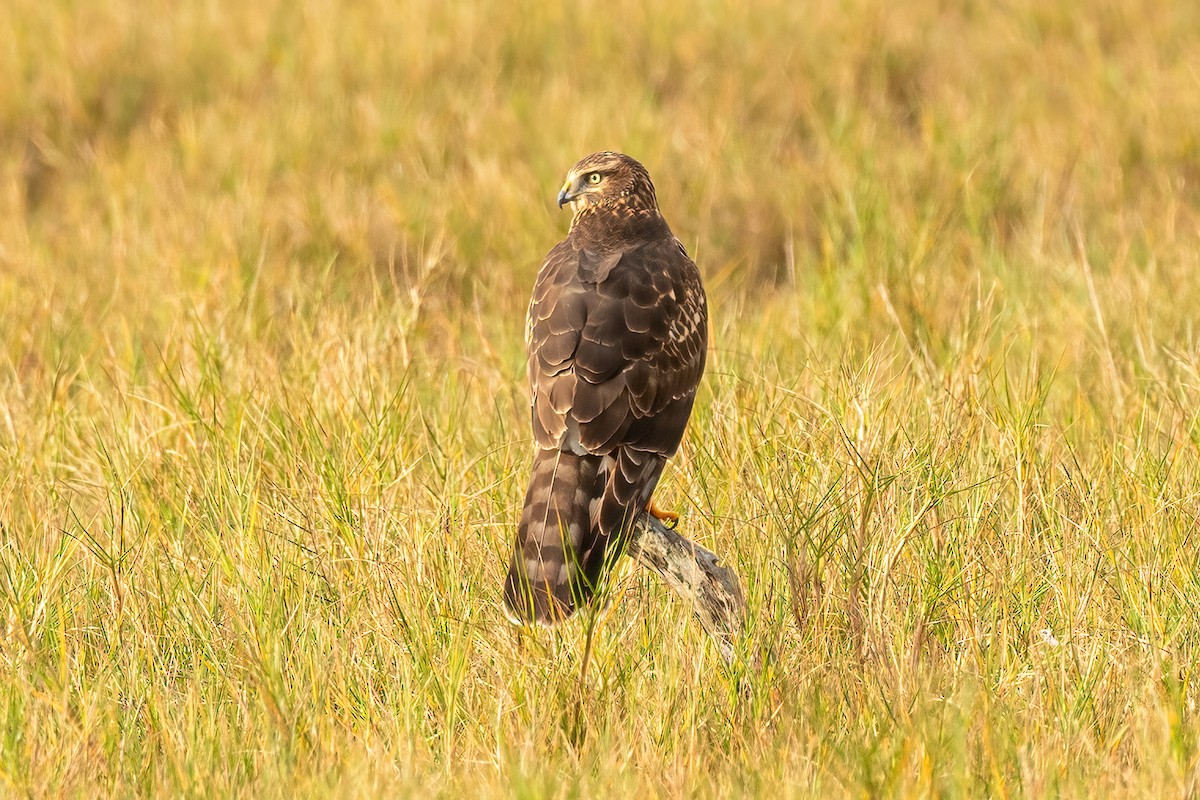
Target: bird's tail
[[544, 582], [578, 512]]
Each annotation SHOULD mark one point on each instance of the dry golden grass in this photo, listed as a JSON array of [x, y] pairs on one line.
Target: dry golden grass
[[263, 425]]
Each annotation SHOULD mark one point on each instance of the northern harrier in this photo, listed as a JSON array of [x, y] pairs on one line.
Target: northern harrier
[[617, 334]]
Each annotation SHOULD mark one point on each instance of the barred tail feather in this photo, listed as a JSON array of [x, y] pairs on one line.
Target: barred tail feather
[[544, 582], [578, 513]]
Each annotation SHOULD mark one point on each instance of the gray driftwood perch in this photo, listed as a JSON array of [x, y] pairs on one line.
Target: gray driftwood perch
[[695, 575]]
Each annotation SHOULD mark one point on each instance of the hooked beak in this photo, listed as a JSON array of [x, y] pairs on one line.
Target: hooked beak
[[565, 195]]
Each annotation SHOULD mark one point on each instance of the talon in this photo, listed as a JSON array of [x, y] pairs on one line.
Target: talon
[[667, 518]]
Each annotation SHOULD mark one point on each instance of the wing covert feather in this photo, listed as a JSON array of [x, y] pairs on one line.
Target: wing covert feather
[[624, 355]]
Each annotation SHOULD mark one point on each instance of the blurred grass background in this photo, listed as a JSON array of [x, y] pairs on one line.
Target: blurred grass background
[[263, 423]]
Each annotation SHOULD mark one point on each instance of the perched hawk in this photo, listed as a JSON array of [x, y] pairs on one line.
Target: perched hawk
[[617, 333]]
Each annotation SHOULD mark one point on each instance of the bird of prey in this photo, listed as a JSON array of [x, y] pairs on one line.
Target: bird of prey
[[617, 336]]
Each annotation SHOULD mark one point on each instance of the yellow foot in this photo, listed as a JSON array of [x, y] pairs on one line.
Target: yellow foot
[[665, 517]]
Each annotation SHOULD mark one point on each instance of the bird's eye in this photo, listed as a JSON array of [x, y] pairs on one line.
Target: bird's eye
[[594, 178]]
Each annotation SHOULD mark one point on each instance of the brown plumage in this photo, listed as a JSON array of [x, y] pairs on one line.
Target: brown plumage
[[617, 334]]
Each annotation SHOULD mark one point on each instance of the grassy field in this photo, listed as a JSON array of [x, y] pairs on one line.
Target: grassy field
[[264, 429]]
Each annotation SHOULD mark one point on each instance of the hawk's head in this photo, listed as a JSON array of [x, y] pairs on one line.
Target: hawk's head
[[608, 180]]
